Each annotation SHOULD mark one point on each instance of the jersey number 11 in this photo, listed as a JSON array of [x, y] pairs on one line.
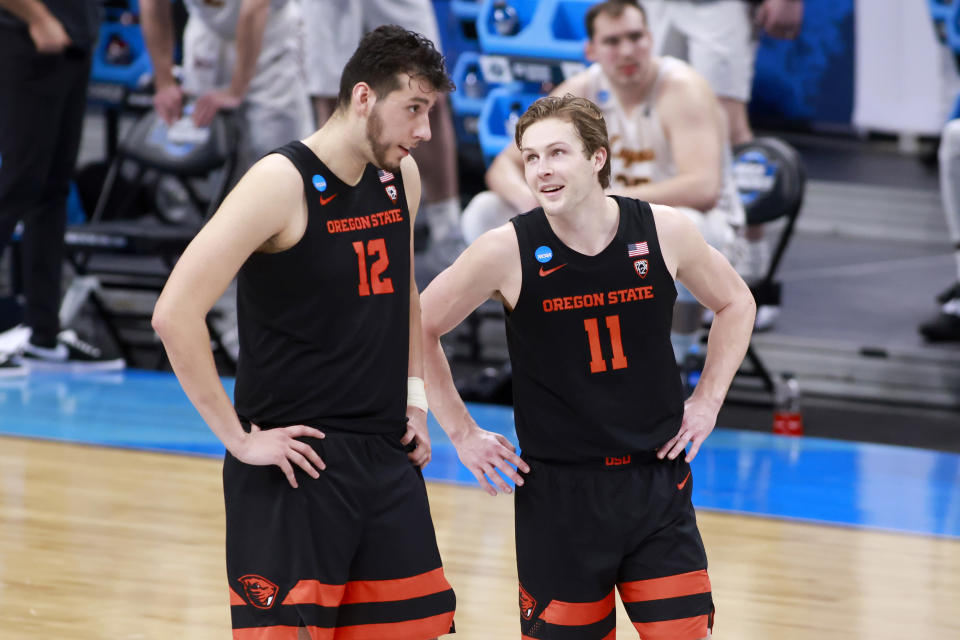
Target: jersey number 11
[[597, 363]]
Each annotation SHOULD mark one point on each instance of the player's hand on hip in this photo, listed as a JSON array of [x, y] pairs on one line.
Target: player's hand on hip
[[278, 446], [168, 102], [780, 18], [417, 433], [212, 102], [484, 452], [698, 423]]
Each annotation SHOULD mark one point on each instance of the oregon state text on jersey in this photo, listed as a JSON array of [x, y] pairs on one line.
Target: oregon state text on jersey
[[324, 325], [593, 371]]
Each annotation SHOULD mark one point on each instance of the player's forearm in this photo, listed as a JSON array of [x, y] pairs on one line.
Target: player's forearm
[[251, 25], [692, 190], [30, 11], [187, 344], [445, 402], [156, 22], [726, 346], [415, 366]]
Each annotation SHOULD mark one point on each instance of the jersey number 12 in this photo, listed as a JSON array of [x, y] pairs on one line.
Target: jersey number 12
[[376, 247]]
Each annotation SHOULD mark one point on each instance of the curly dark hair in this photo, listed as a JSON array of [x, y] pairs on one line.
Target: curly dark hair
[[386, 52]]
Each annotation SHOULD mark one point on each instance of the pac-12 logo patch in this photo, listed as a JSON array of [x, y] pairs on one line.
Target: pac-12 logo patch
[[543, 254], [260, 592], [642, 267], [527, 604], [392, 192], [319, 183]]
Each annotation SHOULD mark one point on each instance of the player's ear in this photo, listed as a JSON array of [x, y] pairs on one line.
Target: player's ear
[[362, 99]]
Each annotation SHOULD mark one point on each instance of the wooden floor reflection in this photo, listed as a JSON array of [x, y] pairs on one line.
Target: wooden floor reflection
[[102, 543]]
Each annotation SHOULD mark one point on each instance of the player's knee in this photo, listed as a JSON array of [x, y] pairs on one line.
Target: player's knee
[[484, 212]]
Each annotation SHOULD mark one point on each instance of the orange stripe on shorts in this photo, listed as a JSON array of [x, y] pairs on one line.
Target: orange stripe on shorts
[[424, 584], [577, 613], [682, 584], [408, 630], [680, 629], [315, 592]]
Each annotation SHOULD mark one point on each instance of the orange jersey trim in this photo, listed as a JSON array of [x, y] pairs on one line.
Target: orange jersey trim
[[408, 630], [681, 629], [682, 584], [424, 584], [577, 613], [315, 592]]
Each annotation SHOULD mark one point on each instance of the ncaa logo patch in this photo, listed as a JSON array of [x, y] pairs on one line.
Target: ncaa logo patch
[[260, 592], [543, 254], [319, 183], [527, 604], [642, 267]]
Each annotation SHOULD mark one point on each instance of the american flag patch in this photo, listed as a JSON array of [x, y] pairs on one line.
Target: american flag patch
[[637, 249], [385, 176]]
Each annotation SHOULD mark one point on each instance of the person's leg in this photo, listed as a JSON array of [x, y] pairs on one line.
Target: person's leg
[[568, 550], [484, 212], [332, 31], [945, 326], [397, 557], [663, 579]]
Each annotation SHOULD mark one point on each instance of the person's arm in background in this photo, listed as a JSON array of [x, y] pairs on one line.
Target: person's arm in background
[[251, 24], [711, 279], [693, 125], [416, 416], [46, 31], [780, 18], [477, 275], [156, 23]]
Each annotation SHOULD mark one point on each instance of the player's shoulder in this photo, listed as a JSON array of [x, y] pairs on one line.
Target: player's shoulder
[[680, 81]]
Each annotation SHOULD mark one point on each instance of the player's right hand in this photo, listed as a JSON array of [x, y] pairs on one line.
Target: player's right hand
[[278, 446], [168, 101], [483, 452]]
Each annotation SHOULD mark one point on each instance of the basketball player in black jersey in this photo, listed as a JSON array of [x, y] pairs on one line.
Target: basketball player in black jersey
[[587, 281], [328, 528]]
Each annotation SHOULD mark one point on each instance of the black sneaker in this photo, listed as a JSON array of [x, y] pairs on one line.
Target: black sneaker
[[953, 291], [71, 354], [945, 327], [10, 369]]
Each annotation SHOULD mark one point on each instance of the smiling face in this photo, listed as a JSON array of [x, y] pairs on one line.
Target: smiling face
[[556, 167], [399, 121], [622, 46]]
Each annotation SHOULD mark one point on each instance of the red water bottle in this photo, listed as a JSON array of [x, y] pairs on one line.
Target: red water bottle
[[787, 419]]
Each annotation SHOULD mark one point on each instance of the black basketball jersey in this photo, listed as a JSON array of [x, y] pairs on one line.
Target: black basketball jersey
[[324, 325], [594, 374]]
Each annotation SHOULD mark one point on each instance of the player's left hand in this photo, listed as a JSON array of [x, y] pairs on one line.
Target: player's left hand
[[211, 102], [418, 434], [698, 421]]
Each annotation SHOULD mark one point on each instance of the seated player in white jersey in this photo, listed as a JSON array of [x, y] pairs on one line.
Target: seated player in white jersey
[[667, 136]]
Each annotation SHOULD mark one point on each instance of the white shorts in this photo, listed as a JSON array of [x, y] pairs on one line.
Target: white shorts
[[717, 37], [334, 29], [487, 210], [276, 108]]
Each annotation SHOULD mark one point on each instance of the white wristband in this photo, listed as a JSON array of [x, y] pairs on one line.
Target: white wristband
[[416, 393]]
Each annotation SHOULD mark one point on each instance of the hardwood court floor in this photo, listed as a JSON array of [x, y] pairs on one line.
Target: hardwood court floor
[[102, 543]]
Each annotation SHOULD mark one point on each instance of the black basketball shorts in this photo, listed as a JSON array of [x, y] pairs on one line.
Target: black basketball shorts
[[624, 522], [350, 556]]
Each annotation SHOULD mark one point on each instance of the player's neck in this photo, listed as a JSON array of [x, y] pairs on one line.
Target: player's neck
[[587, 226], [341, 145]]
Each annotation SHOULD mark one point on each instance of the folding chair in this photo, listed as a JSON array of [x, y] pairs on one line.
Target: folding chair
[[121, 264], [771, 179]]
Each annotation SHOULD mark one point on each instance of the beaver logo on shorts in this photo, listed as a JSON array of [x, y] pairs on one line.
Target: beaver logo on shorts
[[260, 592], [642, 267], [527, 604]]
